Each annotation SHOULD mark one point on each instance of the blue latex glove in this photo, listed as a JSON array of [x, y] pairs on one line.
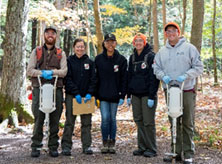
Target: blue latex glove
[[47, 74], [150, 103], [166, 79], [87, 97], [128, 101], [121, 101], [78, 99], [181, 78]]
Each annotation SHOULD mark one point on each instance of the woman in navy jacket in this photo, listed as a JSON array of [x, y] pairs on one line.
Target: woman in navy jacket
[[143, 86], [80, 82], [111, 70]]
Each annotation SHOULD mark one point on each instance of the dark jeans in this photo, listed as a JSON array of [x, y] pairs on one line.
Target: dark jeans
[[108, 114], [39, 118], [144, 118], [70, 124]]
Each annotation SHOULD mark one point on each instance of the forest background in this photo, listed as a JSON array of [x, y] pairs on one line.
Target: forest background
[[22, 24]]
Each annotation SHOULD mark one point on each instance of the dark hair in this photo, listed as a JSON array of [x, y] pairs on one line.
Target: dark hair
[[78, 40]]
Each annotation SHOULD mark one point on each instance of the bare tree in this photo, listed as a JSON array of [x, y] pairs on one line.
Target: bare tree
[[164, 16], [155, 27], [197, 23], [99, 33], [184, 16], [214, 44], [13, 84]]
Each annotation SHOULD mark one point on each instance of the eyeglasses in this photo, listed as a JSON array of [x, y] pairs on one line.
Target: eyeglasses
[[110, 42], [138, 40], [50, 33], [171, 31]]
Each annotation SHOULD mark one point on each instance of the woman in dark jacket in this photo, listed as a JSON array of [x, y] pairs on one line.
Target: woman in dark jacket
[[111, 70], [143, 86], [80, 82]]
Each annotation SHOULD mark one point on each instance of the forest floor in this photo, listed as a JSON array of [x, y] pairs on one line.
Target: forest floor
[[15, 144]]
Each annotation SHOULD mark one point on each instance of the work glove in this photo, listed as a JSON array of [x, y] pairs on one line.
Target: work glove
[[166, 79], [121, 101], [128, 101], [87, 97], [150, 103], [181, 78], [97, 103], [78, 99], [47, 74]]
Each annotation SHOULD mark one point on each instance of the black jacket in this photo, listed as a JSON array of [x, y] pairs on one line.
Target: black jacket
[[81, 76], [141, 79], [112, 77]]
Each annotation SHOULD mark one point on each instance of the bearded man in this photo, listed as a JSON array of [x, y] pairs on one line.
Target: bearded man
[[46, 61]]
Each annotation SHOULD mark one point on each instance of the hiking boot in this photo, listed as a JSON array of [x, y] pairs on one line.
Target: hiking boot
[[188, 161], [170, 159], [149, 154], [105, 148], [88, 151], [138, 152], [53, 153], [111, 146], [66, 152], [35, 153]]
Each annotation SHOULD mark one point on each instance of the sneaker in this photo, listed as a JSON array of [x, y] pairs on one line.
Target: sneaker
[[188, 161], [138, 152], [35, 153], [105, 148], [149, 154], [66, 152], [170, 159], [53, 153], [88, 151], [111, 147]]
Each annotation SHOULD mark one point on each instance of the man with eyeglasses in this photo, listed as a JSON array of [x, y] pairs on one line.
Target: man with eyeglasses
[[46, 61], [179, 60]]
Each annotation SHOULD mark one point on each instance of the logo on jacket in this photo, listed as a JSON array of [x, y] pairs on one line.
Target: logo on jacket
[[86, 66], [116, 68], [143, 65]]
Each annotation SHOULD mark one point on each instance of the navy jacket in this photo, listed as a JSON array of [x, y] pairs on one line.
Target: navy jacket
[[81, 76], [141, 79], [112, 77]]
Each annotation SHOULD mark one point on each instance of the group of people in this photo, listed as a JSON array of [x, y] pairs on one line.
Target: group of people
[[110, 79]]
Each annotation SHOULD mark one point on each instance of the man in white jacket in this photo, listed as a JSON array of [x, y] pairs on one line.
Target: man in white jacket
[[180, 61]]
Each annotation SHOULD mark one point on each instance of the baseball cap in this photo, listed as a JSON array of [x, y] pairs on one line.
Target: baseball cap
[[110, 37], [50, 28]]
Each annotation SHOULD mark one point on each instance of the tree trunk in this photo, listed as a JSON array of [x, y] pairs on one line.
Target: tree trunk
[[184, 16], [155, 27], [164, 17], [213, 44], [99, 33], [149, 19], [13, 84], [67, 42], [197, 23], [34, 33]]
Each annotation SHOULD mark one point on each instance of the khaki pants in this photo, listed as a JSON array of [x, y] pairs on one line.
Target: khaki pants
[[70, 124], [39, 118], [144, 118], [185, 127]]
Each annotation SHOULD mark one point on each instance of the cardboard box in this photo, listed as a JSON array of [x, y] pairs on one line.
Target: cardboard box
[[84, 108]]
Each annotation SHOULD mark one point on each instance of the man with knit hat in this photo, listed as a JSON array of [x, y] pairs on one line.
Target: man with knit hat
[[179, 60]]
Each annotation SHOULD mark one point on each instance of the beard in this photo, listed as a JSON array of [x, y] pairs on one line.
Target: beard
[[50, 42]]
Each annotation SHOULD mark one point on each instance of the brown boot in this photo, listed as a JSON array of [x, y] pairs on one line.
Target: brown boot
[[112, 148], [105, 148]]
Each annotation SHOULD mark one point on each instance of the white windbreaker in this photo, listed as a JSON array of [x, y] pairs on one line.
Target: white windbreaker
[[182, 59]]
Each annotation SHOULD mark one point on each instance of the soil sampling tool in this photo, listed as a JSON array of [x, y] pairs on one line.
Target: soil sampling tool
[[47, 102], [175, 110]]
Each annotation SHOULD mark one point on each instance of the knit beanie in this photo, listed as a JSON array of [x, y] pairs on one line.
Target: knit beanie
[[172, 24], [139, 35]]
